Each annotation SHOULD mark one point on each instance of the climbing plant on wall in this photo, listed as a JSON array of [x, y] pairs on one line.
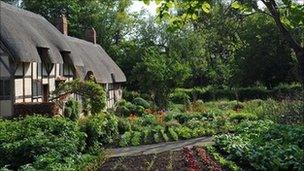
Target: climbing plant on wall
[[93, 94]]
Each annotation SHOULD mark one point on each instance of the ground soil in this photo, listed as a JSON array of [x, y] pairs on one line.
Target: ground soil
[[171, 160]]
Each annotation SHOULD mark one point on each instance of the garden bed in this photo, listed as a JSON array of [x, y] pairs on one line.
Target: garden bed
[[185, 159]]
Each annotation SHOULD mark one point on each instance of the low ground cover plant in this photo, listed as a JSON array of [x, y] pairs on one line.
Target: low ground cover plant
[[265, 145]]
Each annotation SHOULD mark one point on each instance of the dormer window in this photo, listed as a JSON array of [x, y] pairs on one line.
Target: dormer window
[[44, 56], [67, 66]]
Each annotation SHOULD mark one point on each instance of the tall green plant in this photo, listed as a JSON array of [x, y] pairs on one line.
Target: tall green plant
[[93, 94]]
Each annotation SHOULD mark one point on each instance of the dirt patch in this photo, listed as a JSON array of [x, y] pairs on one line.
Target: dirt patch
[[172, 160]]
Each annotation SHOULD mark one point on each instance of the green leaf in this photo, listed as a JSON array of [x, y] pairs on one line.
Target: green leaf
[[206, 7], [147, 2], [236, 5]]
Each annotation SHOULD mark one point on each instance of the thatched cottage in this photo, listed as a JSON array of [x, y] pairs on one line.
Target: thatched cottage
[[36, 56]]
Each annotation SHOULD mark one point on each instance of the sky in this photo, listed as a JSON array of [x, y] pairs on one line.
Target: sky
[[139, 5]]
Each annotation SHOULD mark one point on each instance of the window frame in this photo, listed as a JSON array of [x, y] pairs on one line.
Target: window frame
[[36, 94]]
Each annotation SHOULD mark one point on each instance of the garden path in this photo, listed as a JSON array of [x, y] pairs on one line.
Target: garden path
[[159, 148]]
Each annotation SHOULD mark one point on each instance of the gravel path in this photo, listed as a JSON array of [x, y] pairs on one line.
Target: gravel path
[[159, 148]]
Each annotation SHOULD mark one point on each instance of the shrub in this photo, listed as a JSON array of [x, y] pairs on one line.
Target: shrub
[[130, 95], [164, 135], [125, 139], [93, 94], [244, 93], [101, 129], [182, 118], [147, 135], [148, 120], [169, 117], [179, 97], [124, 108], [183, 132], [123, 125], [157, 135], [136, 110], [141, 102], [136, 138], [44, 143], [239, 117], [72, 109], [172, 134]]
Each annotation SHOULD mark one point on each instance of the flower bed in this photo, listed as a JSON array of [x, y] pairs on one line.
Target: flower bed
[[190, 159], [207, 160]]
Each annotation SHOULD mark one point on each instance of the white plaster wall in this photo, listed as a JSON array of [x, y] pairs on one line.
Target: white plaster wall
[[19, 90]]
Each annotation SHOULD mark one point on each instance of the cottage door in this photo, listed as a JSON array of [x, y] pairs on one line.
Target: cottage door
[[45, 88]]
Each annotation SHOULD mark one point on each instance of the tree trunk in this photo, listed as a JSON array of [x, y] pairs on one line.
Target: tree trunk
[[295, 46], [300, 57]]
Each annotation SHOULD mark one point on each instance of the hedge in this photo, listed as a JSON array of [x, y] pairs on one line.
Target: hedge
[[244, 93]]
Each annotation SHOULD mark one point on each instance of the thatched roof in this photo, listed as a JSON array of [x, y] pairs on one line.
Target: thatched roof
[[96, 60], [22, 32]]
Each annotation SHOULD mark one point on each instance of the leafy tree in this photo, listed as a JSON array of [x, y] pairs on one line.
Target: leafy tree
[[287, 15], [108, 17], [264, 57], [160, 75]]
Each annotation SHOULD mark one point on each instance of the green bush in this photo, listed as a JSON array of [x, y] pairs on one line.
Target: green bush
[[136, 110], [130, 95], [169, 117], [123, 125], [72, 109], [136, 139], [182, 118], [101, 129], [239, 117], [147, 135], [183, 132], [125, 139], [141, 102], [44, 143], [179, 97], [172, 134], [244, 93], [148, 120], [124, 108]]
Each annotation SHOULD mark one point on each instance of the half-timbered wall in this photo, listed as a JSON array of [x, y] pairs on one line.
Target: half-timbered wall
[[5, 85], [114, 94], [32, 78]]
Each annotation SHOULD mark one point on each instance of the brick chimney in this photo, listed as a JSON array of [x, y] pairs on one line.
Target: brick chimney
[[90, 35], [62, 24]]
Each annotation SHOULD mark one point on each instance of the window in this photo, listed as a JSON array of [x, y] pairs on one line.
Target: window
[[37, 89], [5, 89], [67, 70]]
